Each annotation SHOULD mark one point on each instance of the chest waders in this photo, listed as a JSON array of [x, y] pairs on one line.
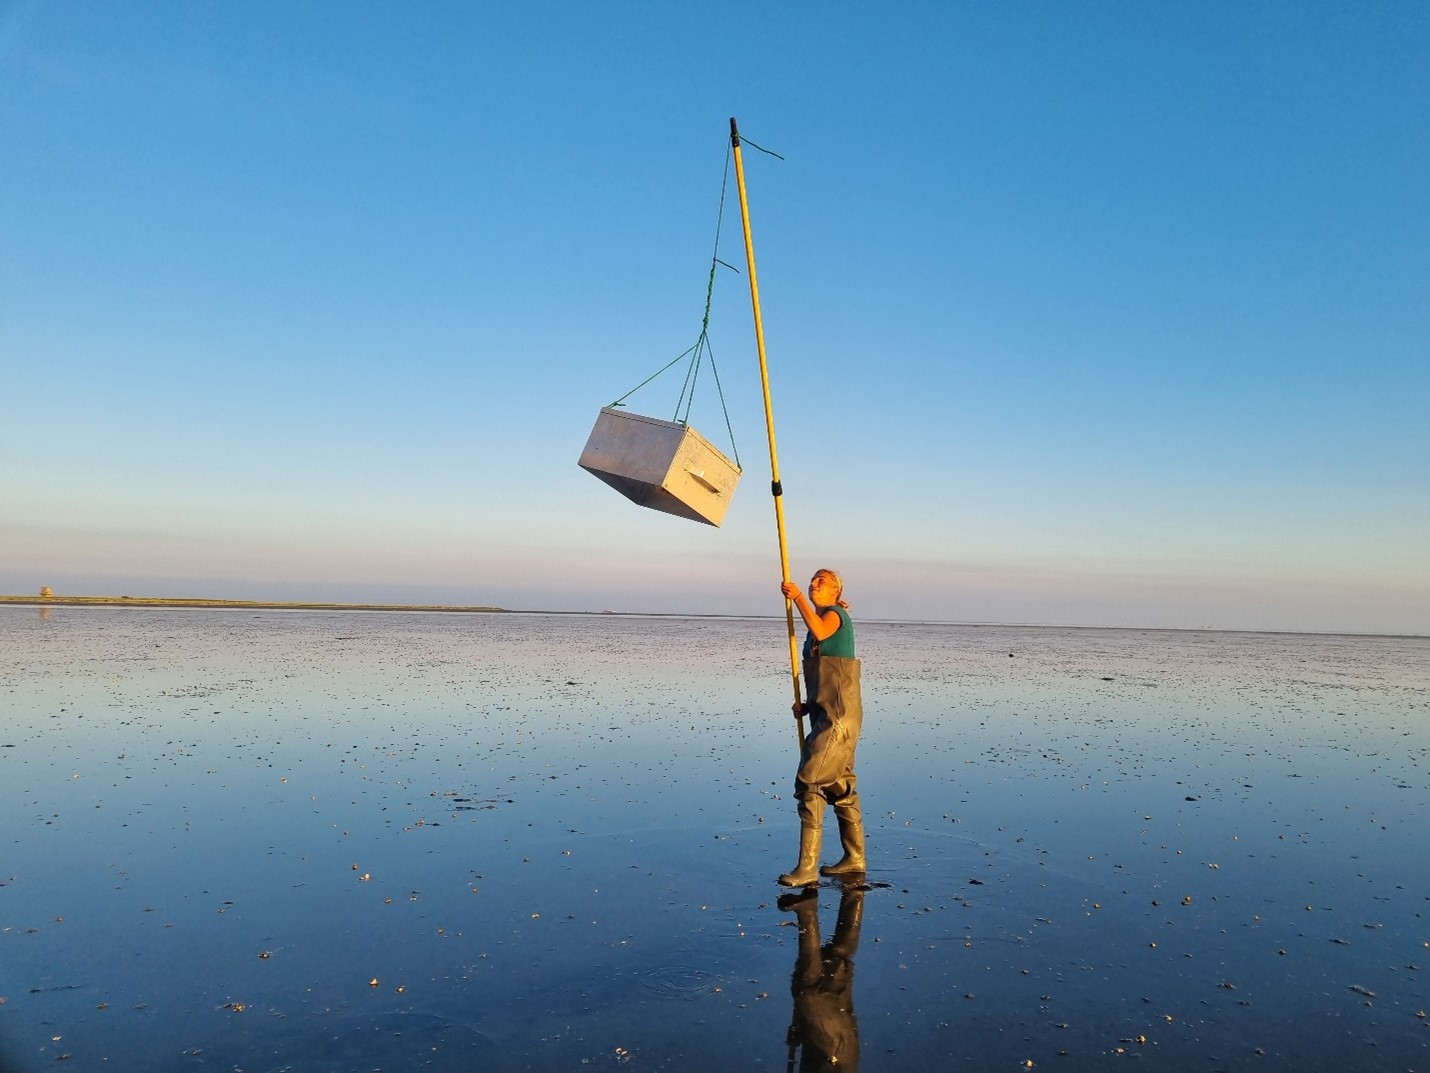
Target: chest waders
[[826, 768]]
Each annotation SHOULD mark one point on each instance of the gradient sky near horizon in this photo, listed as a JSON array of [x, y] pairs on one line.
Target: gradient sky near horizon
[[1096, 314]]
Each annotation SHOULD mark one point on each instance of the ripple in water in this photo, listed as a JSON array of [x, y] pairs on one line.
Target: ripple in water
[[680, 981]]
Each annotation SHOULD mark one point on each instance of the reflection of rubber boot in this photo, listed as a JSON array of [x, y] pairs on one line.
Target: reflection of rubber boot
[[811, 819], [808, 965], [851, 836], [851, 918], [805, 907]]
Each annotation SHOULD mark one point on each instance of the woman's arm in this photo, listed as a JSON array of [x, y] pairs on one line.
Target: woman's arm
[[823, 626]]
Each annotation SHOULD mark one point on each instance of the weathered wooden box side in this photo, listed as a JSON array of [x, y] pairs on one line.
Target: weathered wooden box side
[[663, 465]]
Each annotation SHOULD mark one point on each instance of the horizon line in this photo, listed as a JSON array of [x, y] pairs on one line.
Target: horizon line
[[199, 603]]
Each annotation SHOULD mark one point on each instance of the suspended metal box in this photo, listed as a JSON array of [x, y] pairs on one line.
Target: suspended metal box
[[663, 465]]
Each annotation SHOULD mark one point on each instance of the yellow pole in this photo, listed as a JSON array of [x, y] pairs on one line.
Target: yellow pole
[[775, 488]]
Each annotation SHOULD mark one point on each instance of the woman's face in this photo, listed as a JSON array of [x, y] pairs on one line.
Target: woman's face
[[822, 590]]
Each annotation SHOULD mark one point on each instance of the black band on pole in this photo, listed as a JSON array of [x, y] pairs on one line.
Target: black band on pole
[[776, 489], [734, 134]]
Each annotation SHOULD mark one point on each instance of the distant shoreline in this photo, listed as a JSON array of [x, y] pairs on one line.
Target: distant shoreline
[[200, 603], [235, 605]]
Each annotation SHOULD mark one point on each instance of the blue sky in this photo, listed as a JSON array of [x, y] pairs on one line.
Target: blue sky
[[1102, 314]]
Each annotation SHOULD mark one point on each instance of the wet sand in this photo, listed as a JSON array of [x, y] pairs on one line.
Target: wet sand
[[312, 841]]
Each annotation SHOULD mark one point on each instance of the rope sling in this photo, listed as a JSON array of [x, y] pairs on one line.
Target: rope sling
[[702, 350]]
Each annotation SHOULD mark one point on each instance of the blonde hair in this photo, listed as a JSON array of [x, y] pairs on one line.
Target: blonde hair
[[833, 575]]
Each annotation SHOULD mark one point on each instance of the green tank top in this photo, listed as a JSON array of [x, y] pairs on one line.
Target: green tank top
[[839, 643]]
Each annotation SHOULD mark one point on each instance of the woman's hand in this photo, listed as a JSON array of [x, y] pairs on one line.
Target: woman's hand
[[822, 626], [800, 710]]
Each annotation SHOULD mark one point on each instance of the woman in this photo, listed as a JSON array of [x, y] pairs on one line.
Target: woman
[[826, 762]]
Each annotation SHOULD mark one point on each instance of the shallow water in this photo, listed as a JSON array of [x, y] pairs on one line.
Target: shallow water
[[330, 841]]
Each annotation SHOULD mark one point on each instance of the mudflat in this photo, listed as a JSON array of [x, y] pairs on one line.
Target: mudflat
[[332, 840]]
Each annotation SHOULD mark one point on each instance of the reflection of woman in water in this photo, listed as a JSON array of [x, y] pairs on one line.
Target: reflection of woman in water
[[836, 715], [822, 984]]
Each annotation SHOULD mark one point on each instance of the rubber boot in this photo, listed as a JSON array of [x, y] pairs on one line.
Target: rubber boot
[[811, 820], [806, 872], [851, 837]]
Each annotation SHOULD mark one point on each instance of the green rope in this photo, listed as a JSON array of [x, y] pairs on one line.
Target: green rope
[[746, 141], [687, 390], [721, 392], [621, 401], [702, 346], [703, 343]]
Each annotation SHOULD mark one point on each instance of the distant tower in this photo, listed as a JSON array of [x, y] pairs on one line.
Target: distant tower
[[46, 592]]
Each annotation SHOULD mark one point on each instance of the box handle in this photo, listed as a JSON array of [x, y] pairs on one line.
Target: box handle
[[699, 476]]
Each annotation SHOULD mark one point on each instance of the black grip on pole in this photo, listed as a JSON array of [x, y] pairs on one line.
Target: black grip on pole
[[776, 489], [734, 133]]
